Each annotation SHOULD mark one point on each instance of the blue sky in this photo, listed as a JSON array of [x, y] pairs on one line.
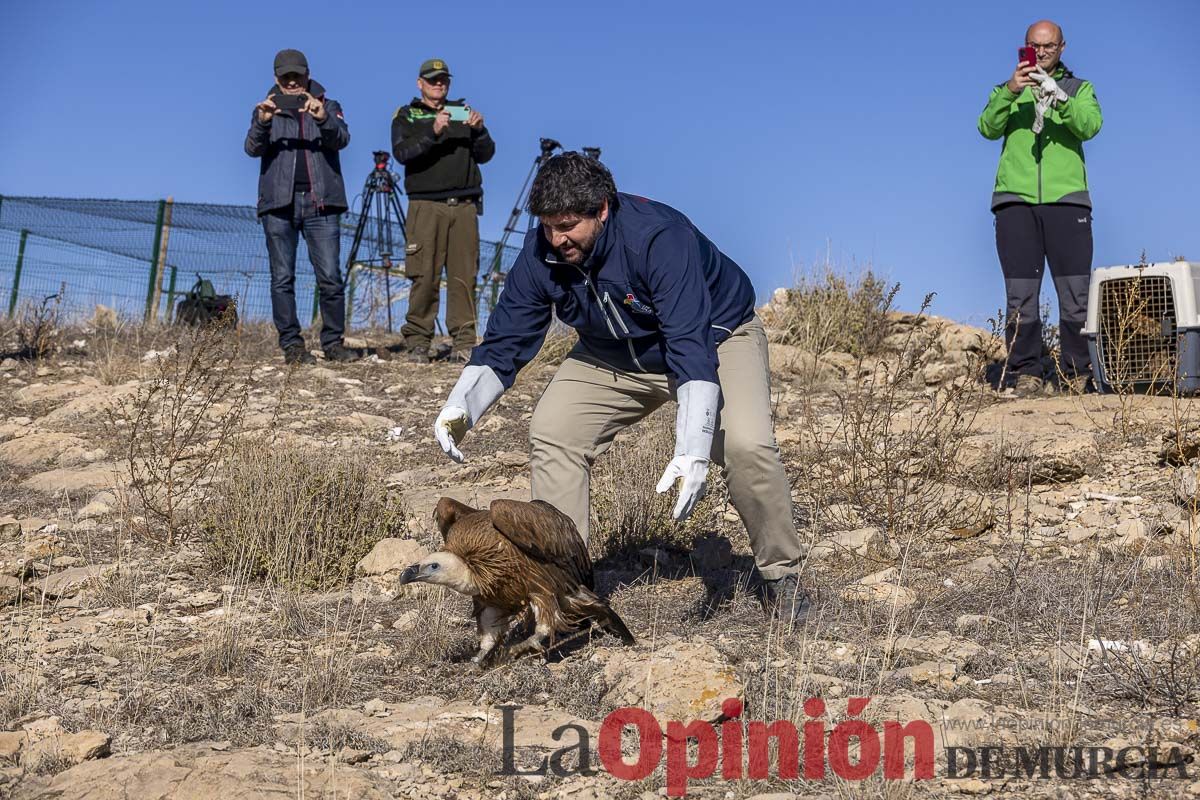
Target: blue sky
[[786, 130]]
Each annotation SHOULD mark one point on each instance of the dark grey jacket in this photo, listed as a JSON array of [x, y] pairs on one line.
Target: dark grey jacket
[[291, 135]]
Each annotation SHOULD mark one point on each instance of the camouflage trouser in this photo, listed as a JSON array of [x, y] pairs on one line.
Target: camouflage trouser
[[441, 234]]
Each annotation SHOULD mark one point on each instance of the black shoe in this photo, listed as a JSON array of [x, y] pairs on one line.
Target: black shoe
[[341, 353], [298, 354], [417, 355], [786, 600]]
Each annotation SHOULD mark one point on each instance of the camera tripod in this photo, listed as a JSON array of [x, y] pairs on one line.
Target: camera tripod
[[381, 210], [546, 149]]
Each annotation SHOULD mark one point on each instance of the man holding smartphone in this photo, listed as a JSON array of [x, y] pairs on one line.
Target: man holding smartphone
[[297, 132], [441, 144], [1041, 203]]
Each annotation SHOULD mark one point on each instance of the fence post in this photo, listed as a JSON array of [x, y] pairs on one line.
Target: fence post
[[162, 257], [12, 299], [158, 231], [171, 297]]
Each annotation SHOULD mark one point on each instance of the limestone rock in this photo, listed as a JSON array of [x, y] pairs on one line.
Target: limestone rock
[[42, 448], [84, 479], [680, 680], [391, 555], [368, 422], [70, 581], [73, 748], [886, 593], [11, 590], [511, 458], [198, 771]]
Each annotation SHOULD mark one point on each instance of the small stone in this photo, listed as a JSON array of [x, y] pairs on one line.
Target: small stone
[[348, 755], [510, 458], [1077, 535], [11, 590], [407, 621], [10, 528]]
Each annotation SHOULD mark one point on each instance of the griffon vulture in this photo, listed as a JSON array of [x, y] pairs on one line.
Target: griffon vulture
[[516, 558]]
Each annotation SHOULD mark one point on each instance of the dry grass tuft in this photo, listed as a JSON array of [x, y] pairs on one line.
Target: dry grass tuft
[[559, 341], [828, 311], [295, 518], [627, 513]]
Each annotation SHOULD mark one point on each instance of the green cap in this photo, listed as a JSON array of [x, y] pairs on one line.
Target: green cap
[[433, 67]]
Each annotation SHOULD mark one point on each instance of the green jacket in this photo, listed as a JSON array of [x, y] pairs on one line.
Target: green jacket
[[1046, 167]]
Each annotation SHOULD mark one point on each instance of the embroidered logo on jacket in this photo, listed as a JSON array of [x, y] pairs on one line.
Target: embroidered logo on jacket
[[637, 305]]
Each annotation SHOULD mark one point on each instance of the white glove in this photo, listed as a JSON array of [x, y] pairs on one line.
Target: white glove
[[695, 423], [1049, 86], [476, 390], [450, 428], [694, 472]]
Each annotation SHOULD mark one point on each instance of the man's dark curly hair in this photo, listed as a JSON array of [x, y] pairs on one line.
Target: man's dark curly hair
[[571, 183]]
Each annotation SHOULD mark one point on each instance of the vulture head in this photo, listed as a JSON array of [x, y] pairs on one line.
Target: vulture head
[[442, 569], [515, 559]]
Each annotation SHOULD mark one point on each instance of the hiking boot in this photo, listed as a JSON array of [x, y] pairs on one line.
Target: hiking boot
[[341, 354], [459, 355], [417, 355], [785, 600], [1028, 386], [298, 354]]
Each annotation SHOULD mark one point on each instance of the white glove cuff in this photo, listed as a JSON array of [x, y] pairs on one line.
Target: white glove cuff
[[476, 390], [696, 419]]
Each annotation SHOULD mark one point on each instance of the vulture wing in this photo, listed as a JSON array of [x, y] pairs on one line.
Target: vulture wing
[[544, 534], [448, 511]]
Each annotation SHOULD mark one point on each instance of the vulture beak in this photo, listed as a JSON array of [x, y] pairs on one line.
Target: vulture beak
[[410, 574]]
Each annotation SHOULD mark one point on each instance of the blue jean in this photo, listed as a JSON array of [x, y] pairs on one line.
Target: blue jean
[[322, 235]]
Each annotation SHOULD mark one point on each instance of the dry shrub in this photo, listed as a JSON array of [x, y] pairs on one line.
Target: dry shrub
[[39, 332], [890, 456], [830, 311], [178, 424], [295, 518], [627, 513]]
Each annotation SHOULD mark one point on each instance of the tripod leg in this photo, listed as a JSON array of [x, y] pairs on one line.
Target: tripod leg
[[364, 212], [387, 282]]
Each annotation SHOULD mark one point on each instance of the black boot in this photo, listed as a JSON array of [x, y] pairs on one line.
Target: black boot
[[298, 354]]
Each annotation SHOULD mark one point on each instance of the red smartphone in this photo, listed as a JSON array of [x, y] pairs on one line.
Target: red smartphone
[[1028, 55]]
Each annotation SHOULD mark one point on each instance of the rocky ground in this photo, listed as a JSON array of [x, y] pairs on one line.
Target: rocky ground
[[1013, 572]]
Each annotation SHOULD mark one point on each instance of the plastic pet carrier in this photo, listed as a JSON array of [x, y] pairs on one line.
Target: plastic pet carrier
[[1143, 329]]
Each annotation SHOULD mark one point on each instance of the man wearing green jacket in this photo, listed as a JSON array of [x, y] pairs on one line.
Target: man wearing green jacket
[[1043, 211]]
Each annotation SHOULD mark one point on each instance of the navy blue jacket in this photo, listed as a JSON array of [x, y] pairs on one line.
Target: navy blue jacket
[[292, 135], [655, 295]]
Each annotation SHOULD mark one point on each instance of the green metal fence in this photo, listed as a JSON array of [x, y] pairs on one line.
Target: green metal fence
[[139, 256]]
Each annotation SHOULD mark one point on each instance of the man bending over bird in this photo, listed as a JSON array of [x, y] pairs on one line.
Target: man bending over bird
[[661, 314]]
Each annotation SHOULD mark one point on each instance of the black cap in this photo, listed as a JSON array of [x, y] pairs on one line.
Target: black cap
[[290, 61]]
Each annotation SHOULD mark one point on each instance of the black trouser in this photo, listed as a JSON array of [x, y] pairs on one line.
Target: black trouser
[[1027, 236]]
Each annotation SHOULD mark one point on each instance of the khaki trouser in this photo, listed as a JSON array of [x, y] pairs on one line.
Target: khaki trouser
[[588, 403], [441, 234]]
